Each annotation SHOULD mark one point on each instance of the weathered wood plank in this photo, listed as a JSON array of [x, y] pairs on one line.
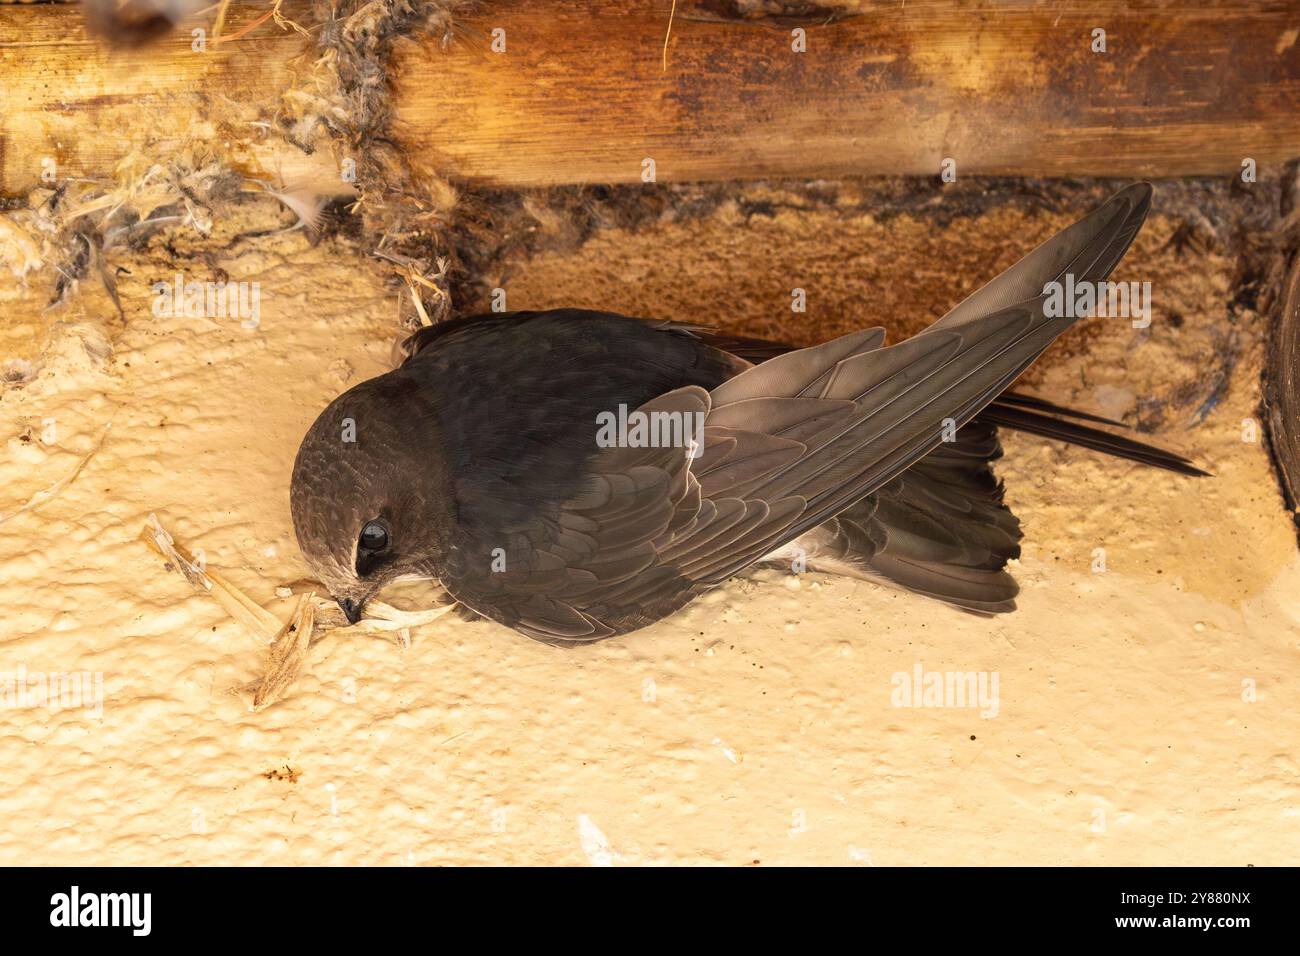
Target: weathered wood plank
[[581, 94]]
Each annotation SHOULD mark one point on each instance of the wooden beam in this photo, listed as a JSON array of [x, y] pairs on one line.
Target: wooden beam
[[581, 93]]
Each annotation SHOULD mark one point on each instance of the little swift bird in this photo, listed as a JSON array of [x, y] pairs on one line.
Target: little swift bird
[[484, 460]]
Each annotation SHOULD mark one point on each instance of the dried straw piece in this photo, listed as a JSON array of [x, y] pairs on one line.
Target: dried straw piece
[[292, 640], [55, 489], [288, 654], [238, 604]]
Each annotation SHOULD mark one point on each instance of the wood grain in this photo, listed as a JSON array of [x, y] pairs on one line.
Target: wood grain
[[581, 93]]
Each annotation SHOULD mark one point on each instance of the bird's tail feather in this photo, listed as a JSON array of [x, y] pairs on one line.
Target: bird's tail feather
[[940, 529], [1037, 417]]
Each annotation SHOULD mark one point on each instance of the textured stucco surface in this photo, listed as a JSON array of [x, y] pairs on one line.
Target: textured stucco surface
[[754, 727]]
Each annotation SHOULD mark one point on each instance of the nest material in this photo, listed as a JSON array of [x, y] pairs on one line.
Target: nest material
[[73, 227], [401, 209], [404, 207]]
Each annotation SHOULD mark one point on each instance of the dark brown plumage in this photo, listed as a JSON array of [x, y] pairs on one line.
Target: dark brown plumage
[[476, 462]]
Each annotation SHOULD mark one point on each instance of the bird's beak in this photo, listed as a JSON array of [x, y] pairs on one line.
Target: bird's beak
[[351, 609]]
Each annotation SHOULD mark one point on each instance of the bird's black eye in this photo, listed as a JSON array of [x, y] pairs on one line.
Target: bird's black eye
[[374, 537]]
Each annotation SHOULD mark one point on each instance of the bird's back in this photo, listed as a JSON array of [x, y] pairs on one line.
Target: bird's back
[[517, 396]]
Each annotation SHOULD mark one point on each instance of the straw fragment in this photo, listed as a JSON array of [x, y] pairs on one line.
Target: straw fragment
[[288, 654], [291, 640], [238, 605]]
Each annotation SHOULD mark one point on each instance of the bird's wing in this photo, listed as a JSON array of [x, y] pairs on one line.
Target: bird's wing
[[1014, 410], [786, 445]]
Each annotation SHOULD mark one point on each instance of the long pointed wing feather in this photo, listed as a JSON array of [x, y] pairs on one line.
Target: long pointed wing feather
[[1096, 242]]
